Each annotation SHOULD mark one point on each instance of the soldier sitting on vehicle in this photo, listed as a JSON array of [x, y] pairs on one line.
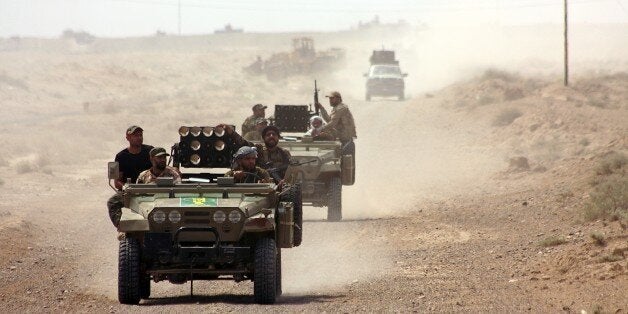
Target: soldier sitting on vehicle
[[316, 126], [259, 111], [270, 155], [159, 168], [132, 160], [256, 134], [244, 168], [340, 121]]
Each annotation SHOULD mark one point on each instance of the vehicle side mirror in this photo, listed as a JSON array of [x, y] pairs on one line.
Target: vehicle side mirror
[[113, 168], [404, 74]]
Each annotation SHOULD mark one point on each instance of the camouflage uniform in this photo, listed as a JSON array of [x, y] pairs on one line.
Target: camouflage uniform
[[341, 122], [254, 135], [249, 124], [147, 176], [261, 173], [275, 157]]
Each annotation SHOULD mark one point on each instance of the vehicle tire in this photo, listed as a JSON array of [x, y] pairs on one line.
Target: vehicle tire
[[265, 272], [334, 204], [278, 272], [129, 276], [145, 287]]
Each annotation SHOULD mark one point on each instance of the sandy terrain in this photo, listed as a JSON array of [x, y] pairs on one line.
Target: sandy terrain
[[457, 188]]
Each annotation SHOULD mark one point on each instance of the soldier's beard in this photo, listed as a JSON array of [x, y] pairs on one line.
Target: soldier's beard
[[160, 167]]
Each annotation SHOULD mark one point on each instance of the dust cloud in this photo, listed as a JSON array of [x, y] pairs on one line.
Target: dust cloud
[[66, 106]]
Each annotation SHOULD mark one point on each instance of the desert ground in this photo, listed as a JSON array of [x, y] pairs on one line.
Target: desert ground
[[492, 188]]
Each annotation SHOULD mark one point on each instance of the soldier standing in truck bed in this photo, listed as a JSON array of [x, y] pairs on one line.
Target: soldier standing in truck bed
[[340, 122], [259, 111]]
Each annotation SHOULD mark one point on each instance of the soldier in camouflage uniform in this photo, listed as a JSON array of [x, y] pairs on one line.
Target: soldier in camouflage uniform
[[270, 155], [244, 168], [159, 168], [259, 111], [340, 122], [256, 134]]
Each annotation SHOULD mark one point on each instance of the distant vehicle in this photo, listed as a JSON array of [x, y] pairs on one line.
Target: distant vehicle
[[303, 59], [228, 29], [384, 77]]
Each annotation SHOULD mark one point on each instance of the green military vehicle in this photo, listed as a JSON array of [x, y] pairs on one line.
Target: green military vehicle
[[207, 227], [324, 168]]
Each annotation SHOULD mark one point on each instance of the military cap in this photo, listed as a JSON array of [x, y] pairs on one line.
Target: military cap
[[245, 151], [132, 129], [334, 94], [158, 151], [259, 106]]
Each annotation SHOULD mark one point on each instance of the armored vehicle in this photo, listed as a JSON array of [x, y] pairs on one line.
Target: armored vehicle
[[324, 167], [303, 59], [384, 77], [206, 228]]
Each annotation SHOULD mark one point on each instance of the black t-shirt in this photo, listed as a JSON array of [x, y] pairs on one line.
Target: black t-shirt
[[131, 165]]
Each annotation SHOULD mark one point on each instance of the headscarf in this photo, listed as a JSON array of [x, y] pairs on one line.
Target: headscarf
[[312, 128]]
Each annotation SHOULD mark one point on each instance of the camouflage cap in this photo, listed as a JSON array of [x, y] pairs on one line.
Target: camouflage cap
[[259, 106], [271, 128], [158, 151], [245, 151], [132, 129], [334, 94], [261, 121]]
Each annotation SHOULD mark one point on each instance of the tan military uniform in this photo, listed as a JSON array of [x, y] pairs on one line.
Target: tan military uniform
[[340, 121], [249, 124], [147, 176], [254, 135], [262, 176], [276, 157]]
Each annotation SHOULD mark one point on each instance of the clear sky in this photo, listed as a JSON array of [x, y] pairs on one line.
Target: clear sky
[[116, 18]]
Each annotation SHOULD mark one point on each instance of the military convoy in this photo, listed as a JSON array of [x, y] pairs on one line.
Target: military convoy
[[207, 227], [303, 59], [384, 77]]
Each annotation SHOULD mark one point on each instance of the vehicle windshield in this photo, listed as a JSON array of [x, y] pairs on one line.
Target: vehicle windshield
[[385, 70]]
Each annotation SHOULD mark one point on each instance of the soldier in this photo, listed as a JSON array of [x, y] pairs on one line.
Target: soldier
[[316, 125], [259, 111], [340, 121], [270, 155], [244, 168], [256, 134], [132, 160], [159, 168]]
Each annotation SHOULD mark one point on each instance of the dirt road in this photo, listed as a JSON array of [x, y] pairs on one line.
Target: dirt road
[[438, 220]]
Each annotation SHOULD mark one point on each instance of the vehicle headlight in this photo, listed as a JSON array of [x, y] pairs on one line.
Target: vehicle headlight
[[235, 216], [174, 216], [159, 216], [219, 216]]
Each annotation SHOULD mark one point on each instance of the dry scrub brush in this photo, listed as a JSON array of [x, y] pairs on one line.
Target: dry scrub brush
[[609, 197]]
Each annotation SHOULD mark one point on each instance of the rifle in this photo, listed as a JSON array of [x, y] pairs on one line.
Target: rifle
[[274, 172], [315, 98]]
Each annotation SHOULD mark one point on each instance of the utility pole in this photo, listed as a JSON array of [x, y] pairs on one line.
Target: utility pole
[[566, 49], [180, 17]]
